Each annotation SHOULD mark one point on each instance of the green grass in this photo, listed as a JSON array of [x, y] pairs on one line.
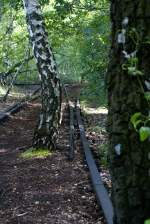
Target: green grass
[[36, 153]]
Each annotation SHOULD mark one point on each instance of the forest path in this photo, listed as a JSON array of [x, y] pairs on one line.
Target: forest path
[[48, 190]]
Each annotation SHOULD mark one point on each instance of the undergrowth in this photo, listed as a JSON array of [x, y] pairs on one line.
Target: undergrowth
[[33, 153]]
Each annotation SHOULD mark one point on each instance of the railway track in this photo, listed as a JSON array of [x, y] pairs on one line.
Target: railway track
[[77, 126]]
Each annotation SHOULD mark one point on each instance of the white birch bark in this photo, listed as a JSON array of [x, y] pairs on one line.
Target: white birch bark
[[46, 131]]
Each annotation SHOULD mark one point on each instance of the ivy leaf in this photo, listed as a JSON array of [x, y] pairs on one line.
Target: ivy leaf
[[138, 72], [138, 123], [124, 67], [134, 118], [147, 42], [144, 133], [147, 221], [132, 70], [147, 95]]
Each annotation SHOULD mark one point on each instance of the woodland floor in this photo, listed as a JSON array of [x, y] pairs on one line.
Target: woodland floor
[[49, 190]]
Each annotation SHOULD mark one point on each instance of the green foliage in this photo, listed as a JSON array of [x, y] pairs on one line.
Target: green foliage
[[140, 123], [79, 34], [136, 119], [83, 55], [132, 67], [147, 221], [35, 153], [147, 96], [94, 94], [144, 133]]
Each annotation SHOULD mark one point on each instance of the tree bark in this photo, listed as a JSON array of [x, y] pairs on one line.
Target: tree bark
[[46, 131], [129, 158], [1, 9]]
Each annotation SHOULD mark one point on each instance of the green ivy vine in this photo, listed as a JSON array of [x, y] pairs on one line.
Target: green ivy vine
[[140, 122]]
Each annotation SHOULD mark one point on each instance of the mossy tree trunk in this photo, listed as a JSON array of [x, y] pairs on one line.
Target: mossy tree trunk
[[46, 131], [129, 157]]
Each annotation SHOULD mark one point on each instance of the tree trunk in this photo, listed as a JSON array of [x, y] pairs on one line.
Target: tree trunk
[[129, 157], [46, 132]]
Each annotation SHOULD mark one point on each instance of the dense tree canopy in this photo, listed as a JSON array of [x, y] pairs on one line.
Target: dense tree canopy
[[78, 31]]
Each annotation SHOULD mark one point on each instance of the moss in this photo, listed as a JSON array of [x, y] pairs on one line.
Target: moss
[[33, 153]]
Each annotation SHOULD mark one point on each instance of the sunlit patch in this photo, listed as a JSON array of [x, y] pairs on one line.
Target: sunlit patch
[[99, 110], [33, 153], [17, 94], [2, 90]]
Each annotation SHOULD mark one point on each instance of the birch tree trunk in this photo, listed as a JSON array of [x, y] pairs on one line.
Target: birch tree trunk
[[129, 157], [46, 131]]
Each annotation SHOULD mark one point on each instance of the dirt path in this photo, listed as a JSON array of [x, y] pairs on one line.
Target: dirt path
[[48, 190]]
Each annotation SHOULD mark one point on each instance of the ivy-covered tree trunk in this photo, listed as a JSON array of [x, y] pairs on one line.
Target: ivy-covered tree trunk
[[127, 79], [46, 132]]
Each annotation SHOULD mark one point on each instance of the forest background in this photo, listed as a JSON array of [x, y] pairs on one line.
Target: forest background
[[79, 33]]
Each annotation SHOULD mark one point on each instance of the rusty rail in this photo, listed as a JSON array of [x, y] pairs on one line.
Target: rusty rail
[[72, 131], [71, 105], [101, 192]]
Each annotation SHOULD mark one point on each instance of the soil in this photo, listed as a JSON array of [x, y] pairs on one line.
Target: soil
[[51, 190]]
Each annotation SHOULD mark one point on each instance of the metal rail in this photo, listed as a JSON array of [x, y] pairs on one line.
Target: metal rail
[[101, 192], [102, 196], [71, 105], [72, 131]]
